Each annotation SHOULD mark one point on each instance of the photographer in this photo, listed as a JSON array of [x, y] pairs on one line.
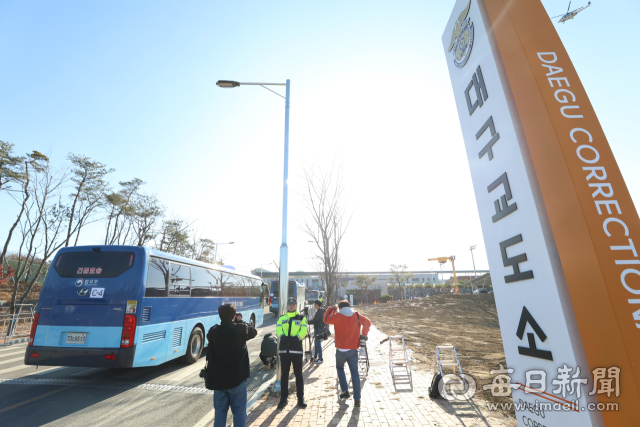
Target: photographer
[[319, 329], [347, 324], [228, 366]]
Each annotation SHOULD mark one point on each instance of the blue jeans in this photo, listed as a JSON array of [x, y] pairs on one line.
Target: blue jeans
[[318, 348], [236, 398], [351, 358]]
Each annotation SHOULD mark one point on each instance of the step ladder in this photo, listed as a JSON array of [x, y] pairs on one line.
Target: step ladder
[[399, 359], [447, 356]]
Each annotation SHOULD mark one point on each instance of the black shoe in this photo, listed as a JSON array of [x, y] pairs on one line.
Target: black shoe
[[302, 403], [282, 404], [357, 404], [345, 395]]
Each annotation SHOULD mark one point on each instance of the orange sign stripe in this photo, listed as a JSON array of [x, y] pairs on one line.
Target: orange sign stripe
[[604, 316]]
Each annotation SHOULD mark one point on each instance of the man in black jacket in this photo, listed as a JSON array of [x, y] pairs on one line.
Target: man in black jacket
[[228, 366], [318, 328]]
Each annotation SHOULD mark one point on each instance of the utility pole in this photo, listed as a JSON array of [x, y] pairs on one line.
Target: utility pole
[[473, 260]]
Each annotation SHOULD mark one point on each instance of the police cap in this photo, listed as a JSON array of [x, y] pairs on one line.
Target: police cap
[[292, 301]]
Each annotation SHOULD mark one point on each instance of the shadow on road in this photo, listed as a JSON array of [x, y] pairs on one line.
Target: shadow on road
[[136, 396]]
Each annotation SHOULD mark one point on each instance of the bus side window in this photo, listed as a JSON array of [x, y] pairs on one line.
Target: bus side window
[[180, 280], [256, 289], [227, 284], [202, 283], [157, 276]]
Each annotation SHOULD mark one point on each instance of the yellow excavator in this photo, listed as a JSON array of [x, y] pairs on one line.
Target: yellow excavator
[[451, 258]]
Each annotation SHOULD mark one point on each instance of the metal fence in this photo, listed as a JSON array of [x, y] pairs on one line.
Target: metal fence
[[16, 325]]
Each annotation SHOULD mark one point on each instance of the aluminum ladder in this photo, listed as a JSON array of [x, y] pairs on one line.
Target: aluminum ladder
[[363, 357], [399, 362], [452, 361]]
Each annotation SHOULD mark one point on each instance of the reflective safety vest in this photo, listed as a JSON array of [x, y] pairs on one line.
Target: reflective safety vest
[[291, 329]]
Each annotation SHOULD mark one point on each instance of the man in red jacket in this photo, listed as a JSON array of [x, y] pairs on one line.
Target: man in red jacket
[[347, 325]]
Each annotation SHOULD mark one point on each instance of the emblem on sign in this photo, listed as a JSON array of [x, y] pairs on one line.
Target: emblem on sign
[[83, 292], [462, 38], [79, 282]]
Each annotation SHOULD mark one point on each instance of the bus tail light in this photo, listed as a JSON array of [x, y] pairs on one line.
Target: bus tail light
[[270, 300], [109, 357], [34, 355], [128, 331], [34, 325]]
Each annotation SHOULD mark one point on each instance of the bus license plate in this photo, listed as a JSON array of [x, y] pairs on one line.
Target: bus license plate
[[76, 338]]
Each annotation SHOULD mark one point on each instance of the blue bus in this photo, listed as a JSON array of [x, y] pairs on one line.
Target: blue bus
[[130, 306], [295, 290]]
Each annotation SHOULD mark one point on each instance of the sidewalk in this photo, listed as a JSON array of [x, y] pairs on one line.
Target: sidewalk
[[382, 403]]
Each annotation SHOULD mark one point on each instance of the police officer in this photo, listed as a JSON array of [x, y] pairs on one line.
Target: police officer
[[291, 329], [321, 297]]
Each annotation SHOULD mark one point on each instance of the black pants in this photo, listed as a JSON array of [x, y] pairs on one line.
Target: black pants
[[286, 361]]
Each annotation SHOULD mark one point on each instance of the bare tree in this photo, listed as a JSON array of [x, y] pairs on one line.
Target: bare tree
[[175, 236], [41, 230], [13, 173], [400, 275], [145, 213], [120, 208], [326, 224], [88, 175]]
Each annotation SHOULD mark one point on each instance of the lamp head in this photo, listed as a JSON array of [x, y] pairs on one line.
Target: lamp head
[[228, 84]]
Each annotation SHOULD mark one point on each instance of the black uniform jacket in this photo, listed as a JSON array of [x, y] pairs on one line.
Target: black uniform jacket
[[227, 355]]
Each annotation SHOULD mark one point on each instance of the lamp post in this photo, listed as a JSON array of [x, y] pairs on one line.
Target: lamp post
[[284, 249], [215, 253], [473, 260]]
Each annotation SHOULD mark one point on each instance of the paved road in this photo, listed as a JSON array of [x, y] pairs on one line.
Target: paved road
[[168, 395]]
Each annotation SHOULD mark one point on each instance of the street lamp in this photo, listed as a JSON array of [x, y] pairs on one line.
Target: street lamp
[[215, 253], [473, 260], [284, 249]]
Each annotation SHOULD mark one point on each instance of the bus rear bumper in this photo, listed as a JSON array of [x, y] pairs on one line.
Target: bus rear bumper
[[80, 357]]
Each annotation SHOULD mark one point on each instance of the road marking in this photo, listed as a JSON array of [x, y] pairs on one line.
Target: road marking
[[207, 419], [11, 354], [183, 373], [13, 347], [3, 362], [33, 400], [38, 372], [87, 372], [67, 382]]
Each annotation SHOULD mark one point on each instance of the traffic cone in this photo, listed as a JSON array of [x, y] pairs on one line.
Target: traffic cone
[[375, 302]]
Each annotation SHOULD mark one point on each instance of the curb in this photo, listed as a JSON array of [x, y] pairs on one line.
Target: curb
[[258, 394]]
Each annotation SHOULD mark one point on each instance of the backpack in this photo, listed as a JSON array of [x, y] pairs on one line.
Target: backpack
[[434, 391]]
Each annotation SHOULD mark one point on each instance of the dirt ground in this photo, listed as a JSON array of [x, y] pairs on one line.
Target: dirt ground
[[468, 322]]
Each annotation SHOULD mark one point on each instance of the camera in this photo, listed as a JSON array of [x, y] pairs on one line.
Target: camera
[[203, 372]]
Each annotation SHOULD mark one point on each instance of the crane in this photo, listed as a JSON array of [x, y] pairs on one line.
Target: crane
[[451, 258]]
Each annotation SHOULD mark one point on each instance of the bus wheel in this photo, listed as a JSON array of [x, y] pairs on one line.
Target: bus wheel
[[194, 347], [253, 320]]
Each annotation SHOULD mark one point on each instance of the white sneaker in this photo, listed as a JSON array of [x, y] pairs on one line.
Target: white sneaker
[[319, 361]]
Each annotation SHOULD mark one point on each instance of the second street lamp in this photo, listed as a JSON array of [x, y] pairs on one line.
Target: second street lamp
[[284, 249]]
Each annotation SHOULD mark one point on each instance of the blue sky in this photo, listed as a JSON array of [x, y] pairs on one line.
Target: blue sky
[[132, 84]]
